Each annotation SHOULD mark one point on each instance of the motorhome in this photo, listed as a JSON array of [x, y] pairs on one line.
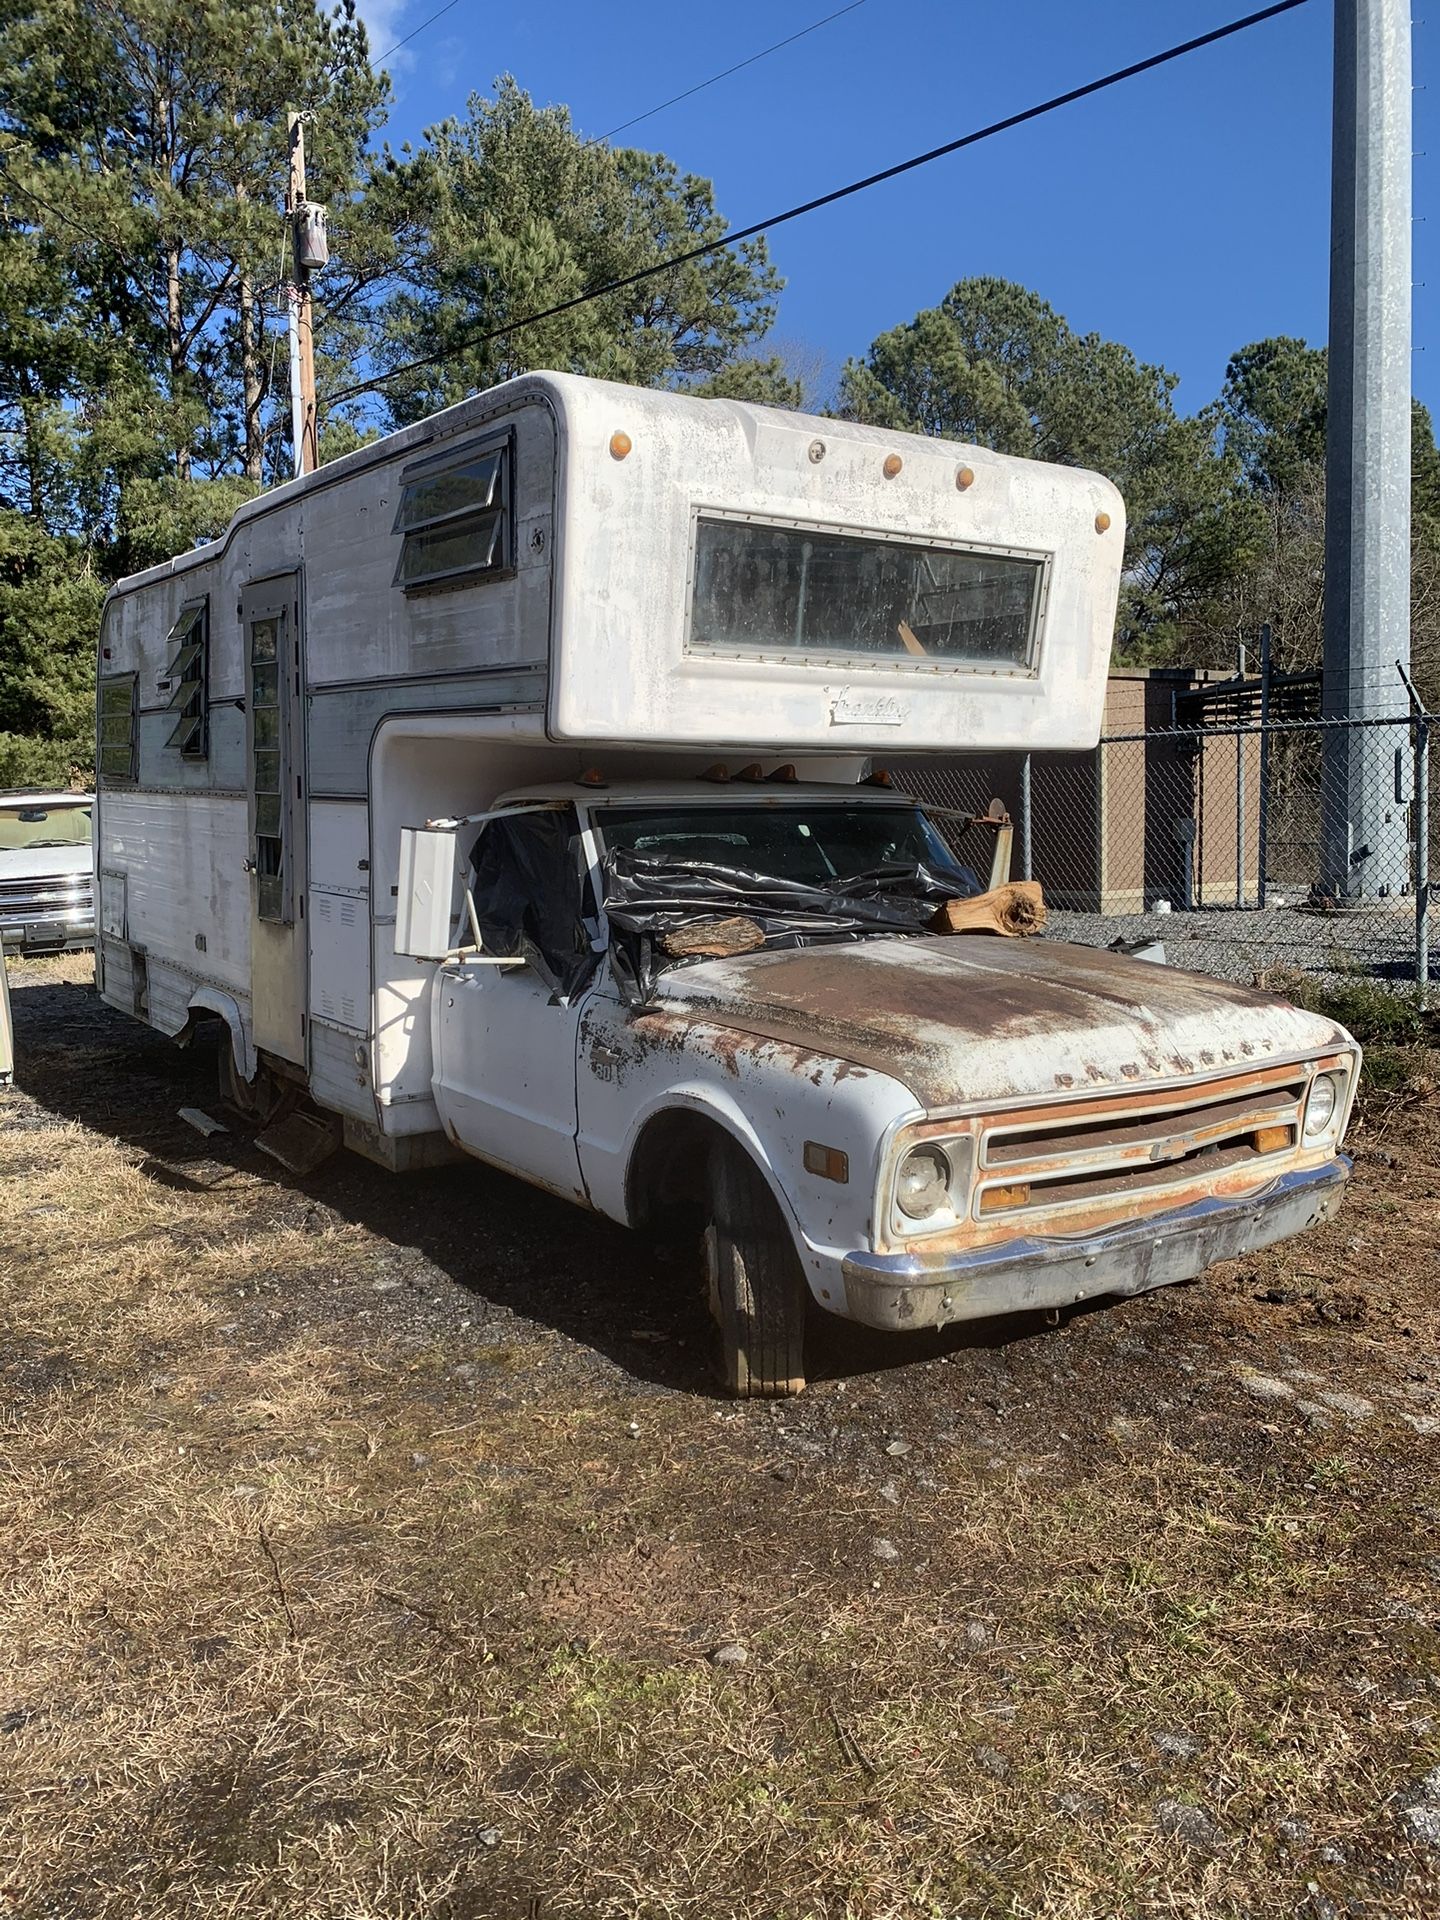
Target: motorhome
[[514, 787]]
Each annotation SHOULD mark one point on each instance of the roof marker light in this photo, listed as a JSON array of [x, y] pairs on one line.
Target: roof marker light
[[753, 772], [880, 777], [717, 772], [620, 445], [592, 777], [964, 477], [893, 464], [1102, 522], [785, 774]]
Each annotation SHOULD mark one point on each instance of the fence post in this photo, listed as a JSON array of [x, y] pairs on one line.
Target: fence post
[[1263, 832], [1422, 858], [1239, 816], [1025, 870]]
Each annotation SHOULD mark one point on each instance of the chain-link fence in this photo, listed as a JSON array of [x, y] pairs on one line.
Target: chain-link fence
[[1244, 847]]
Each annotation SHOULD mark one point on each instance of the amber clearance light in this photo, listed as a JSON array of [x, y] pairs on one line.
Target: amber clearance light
[[620, 444]]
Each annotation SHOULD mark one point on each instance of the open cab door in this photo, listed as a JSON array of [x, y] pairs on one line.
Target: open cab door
[[502, 1039]]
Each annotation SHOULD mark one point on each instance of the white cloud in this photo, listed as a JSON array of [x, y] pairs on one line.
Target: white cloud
[[386, 22]]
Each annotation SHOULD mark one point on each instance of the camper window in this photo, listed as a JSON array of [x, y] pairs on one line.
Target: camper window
[[188, 676], [118, 727], [799, 591], [454, 519]]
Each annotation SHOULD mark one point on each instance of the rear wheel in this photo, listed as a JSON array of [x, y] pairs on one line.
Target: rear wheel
[[259, 1101], [756, 1288]]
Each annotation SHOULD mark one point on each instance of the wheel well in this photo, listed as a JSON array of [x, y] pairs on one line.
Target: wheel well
[[208, 1003], [200, 1020], [664, 1180]]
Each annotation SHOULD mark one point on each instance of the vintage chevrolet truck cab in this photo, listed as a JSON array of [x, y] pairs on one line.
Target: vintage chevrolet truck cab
[[909, 1127]]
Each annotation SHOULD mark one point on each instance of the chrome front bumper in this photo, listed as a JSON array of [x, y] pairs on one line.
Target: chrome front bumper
[[47, 929], [897, 1291]]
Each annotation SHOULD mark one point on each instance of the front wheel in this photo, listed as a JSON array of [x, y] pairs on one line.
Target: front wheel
[[756, 1288]]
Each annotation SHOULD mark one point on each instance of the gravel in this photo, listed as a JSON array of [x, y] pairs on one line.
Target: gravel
[[1236, 945]]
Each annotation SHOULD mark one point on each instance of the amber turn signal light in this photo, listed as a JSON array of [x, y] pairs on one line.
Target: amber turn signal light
[[1273, 1139], [1001, 1199]]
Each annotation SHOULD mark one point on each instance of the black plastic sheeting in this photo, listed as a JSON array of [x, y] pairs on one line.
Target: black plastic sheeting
[[529, 897], [647, 897], [530, 902]]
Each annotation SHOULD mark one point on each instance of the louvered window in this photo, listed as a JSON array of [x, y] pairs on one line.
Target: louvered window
[[118, 729], [455, 519], [188, 675], [269, 760]]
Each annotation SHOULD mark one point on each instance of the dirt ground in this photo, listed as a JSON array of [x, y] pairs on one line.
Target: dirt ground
[[378, 1548]]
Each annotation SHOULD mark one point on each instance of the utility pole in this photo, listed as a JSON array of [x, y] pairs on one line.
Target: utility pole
[[303, 424], [1364, 840]]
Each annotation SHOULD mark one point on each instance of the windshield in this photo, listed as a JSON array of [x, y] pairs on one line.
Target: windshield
[[808, 843], [793, 590], [23, 828]]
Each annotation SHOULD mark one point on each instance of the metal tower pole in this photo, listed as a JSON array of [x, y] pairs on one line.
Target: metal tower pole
[[1364, 841]]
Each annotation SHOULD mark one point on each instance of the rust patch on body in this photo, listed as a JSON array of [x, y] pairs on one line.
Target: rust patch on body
[[948, 1018]]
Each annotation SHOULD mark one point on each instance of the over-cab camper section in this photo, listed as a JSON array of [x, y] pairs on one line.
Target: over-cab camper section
[[732, 575], [557, 569]]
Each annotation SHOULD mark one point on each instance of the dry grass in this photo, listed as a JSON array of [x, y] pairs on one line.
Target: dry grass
[[296, 1621]]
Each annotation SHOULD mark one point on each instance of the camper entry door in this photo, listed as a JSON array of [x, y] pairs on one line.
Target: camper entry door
[[274, 738]]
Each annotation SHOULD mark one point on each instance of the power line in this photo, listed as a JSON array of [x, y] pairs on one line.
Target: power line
[[829, 199], [701, 85], [414, 33]]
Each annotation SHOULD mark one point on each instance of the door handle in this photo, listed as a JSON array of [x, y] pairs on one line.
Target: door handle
[[603, 1056]]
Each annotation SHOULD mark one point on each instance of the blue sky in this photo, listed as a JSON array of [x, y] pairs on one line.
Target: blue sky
[[1184, 213]]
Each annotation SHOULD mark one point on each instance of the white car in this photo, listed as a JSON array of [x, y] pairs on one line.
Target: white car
[[47, 897]]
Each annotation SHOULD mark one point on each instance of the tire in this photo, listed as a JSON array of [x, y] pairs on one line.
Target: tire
[[756, 1289], [258, 1102]]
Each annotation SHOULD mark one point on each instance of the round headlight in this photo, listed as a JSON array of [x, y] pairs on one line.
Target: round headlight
[[922, 1185], [1320, 1107]]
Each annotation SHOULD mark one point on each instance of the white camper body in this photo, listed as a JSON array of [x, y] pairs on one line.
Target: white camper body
[[392, 704], [566, 598]]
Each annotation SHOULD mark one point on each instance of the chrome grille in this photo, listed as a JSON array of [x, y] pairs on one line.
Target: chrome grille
[[46, 897], [1086, 1155]]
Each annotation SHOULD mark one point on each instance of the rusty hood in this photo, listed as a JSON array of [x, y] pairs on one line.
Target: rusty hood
[[970, 1018]]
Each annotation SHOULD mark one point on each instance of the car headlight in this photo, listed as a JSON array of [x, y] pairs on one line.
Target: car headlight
[[922, 1186], [1322, 1106]]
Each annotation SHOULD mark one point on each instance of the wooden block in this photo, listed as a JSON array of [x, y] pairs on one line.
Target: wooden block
[[717, 939], [1015, 909]]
